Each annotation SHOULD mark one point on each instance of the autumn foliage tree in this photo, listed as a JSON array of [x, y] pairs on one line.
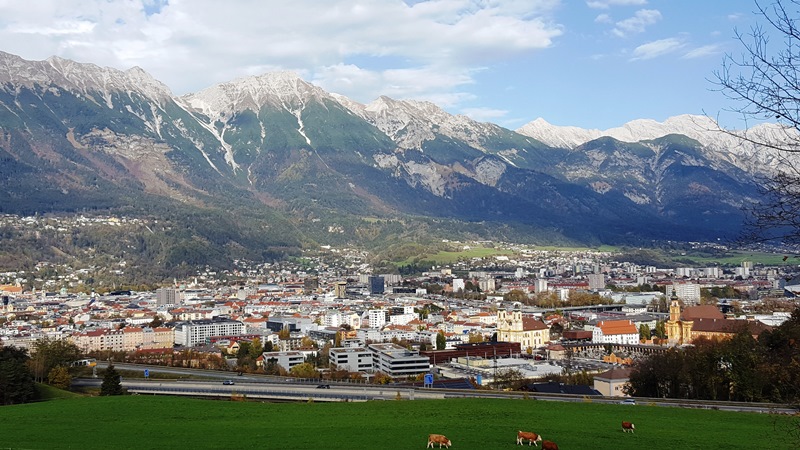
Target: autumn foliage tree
[[50, 353], [741, 368]]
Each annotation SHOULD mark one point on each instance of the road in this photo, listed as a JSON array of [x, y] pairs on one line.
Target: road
[[294, 389], [269, 391]]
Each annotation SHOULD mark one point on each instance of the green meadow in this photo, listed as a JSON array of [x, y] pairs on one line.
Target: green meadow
[[450, 257], [156, 422], [735, 258]]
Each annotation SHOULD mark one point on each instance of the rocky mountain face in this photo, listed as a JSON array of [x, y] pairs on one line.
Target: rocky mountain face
[[76, 136]]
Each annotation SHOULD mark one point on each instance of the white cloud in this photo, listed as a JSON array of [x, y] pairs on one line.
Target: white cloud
[[484, 114], [638, 23], [656, 48], [436, 84], [603, 18], [59, 28], [425, 48], [700, 52], [605, 4]]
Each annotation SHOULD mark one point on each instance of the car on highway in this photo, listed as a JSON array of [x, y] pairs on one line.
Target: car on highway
[[628, 401], [228, 383], [324, 386]]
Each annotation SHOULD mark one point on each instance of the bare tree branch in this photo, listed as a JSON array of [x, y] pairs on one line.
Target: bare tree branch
[[764, 83]]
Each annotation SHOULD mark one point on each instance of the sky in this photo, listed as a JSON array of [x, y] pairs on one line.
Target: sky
[[586, 63]]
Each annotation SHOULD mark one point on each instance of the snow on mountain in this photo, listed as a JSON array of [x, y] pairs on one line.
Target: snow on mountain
[[724, 145], [556, 136], [411, 123], [87, 79], [278, 89], [699, 128], [401, 121]]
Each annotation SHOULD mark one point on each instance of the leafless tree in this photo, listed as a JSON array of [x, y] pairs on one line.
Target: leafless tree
[[764, 84]]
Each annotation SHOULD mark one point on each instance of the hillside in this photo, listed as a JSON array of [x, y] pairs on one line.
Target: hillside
[[276, 157]]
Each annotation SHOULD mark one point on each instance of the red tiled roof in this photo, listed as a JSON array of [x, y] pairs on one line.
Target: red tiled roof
[[532, 324], [702, 312], [611, 327], [728, 326]]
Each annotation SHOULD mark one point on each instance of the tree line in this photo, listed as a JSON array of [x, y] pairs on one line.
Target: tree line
[[742, 368], [50, 362]]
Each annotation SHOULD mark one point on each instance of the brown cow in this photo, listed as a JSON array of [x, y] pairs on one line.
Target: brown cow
[[549, 445], [627, 426], [437, 439], [532, 438]]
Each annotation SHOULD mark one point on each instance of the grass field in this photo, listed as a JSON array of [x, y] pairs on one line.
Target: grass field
[[139, 422], [736, 258], [444, 257], [47, 392]]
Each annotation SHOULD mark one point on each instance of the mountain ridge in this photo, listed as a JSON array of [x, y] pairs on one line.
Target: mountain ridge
[[318, 160]]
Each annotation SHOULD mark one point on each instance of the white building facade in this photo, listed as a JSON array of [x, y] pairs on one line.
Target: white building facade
[[195, 332]]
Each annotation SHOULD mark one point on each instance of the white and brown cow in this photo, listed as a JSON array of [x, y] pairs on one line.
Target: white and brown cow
[[627, 426], [437, 439], [531, 437]]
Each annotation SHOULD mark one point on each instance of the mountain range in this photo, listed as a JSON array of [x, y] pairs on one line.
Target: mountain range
[[295, 164]]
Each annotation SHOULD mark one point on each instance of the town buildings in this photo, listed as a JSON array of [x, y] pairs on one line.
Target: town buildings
[[301, 309]]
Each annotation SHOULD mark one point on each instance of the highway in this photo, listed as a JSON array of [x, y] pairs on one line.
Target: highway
[[254, 386], [269, 391]]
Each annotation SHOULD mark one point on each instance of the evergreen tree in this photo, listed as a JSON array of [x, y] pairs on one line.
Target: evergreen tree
[[16, 381], [644, 332], [441, 341], [111, 382]]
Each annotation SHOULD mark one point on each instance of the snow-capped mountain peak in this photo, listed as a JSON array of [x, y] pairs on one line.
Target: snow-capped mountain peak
[[701, 128], [88, 79], [282, 89]]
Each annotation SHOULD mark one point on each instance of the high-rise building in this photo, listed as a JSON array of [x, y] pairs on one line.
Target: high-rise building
[[597, 281], [377, 318], [340, 289], [376, 285], [310, 285], [688, 292], [167, 296]]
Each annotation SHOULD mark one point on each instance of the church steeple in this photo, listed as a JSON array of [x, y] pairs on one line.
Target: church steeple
[[674, 308]]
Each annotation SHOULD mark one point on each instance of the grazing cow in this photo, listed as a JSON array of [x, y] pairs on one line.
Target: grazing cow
[[532, 438], [627, 426], [437, 439], [549, 445]]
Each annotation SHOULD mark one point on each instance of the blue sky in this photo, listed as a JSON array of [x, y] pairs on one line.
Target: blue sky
[[586, 63]]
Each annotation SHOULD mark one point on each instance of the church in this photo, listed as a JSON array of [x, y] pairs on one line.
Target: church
[[683, 327], [531, 333]]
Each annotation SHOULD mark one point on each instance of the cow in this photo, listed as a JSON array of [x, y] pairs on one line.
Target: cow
[[437, 439], [532, 438], [627, 426], [549, 445]]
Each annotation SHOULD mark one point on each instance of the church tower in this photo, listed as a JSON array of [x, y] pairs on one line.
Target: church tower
[[679, 331]]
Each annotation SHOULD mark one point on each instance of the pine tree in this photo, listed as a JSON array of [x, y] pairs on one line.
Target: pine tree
[[441, 341], [111, 382], [16, 381]]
